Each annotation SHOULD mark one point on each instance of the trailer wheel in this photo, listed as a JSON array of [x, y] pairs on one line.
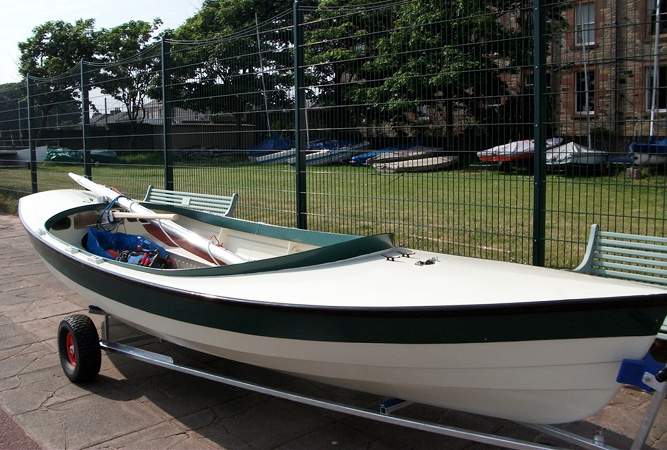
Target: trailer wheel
[[79, 348]]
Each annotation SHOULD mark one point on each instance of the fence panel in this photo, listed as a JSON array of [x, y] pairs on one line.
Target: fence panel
[[600, 102], [14, 152], [124, 135], [55, 128], [232, 104], [433, 83]]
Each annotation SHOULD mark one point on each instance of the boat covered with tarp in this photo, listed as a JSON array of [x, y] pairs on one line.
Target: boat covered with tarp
[[652, 153], [334, 155], [573, 154], [528, 343], [513, 151], [430, 164], [406, 154]]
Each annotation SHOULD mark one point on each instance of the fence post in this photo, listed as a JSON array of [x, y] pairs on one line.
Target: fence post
[[300, 166], [85, 122], [166, 115], [539, 161], [31, 143]]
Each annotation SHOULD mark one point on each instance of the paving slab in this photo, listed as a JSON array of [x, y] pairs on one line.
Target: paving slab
[[138, 406], [12, 437]]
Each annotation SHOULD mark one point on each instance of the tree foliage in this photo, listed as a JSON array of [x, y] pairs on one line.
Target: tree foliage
[[131, 64], [224, 73], [55, 47], [118, 65], [439, 55]]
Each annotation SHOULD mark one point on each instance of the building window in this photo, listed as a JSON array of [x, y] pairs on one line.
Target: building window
[[663, 15], [661, 94], [581, 94], [584, 24]]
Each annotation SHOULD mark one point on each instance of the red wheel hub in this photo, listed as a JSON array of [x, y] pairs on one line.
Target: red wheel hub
[[69, 346]]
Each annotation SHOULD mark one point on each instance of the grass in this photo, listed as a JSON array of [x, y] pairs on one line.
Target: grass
[[476, 213]]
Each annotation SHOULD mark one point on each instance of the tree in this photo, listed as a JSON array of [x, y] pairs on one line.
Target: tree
[[52, 56], [129, 64], [440, 56], [119, 63], [223, 74], [55, 47]]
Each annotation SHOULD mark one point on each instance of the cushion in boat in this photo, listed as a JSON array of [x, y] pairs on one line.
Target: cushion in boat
[[108, 244]]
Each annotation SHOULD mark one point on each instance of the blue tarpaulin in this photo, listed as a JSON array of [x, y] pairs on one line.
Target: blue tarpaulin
[[653, 146], [273, 144], [99, 241]]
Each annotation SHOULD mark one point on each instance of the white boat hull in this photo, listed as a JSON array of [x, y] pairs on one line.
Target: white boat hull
[[546, 381], [650, 159]]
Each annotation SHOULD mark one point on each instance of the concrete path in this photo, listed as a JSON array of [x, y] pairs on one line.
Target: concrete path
[[136, 406]]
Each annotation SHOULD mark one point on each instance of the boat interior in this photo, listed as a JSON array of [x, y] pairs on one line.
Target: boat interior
[[72, 227]]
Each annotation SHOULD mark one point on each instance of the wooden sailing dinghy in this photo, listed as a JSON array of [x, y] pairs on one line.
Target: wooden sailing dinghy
[[528, 343]]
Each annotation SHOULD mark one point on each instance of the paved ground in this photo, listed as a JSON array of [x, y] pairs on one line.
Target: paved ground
[[136, 406]]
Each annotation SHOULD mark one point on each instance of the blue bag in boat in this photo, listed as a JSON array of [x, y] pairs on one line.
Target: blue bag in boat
[[125, 247]]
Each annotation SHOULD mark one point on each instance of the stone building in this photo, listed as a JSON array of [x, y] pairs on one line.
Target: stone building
[[609, 47]]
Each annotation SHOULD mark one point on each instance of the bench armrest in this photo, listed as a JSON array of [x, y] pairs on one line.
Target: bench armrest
[[587, 261]]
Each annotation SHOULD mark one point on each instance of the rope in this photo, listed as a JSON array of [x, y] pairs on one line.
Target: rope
[[208, 250], [111, 225], [159, 224]]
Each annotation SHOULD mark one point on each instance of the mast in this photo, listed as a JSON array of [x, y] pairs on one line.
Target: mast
[[584, 50], [261, 67], [656, 70]]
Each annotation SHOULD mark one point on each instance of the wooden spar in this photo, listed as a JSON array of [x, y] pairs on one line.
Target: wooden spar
[[153, 216], [168, 227]]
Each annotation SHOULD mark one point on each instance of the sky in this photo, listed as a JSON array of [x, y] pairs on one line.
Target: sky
[[19, 17]]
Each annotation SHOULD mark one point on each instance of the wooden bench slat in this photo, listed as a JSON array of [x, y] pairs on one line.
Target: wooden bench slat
[[206, 208], [637, 245], [194, 200], [629, 276], [630, 268], [602, 257], [636, 237], [628, 251], [166, 202]]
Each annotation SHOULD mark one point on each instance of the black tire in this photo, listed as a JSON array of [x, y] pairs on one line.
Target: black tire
[[79, 348]]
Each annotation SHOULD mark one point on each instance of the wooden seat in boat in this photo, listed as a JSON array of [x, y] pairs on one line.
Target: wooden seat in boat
[[213, 204], [625, 256]]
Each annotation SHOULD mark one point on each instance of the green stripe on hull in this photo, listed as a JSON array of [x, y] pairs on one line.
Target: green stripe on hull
[[634, 316]]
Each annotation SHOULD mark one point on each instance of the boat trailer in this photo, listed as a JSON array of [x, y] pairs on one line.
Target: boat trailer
[[646, 374]]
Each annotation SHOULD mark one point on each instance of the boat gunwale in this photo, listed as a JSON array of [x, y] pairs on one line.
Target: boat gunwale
[[333, 247]]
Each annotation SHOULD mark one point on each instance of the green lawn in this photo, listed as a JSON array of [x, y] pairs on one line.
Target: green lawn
[[477, 213]]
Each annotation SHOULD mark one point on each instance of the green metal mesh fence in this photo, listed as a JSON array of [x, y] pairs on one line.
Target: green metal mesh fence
[[414, 117]]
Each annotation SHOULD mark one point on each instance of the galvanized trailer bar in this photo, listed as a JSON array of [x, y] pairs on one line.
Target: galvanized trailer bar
[[389, 406], [167, 362]]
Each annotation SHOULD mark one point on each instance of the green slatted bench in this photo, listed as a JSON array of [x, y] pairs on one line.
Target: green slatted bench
[[214, 204], [627, 256]]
